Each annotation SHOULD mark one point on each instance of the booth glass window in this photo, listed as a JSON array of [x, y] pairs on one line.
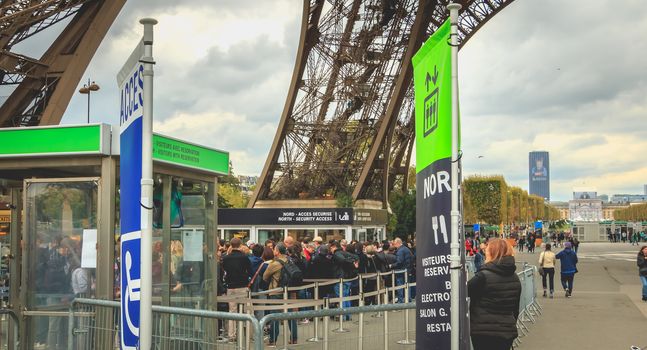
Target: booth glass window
[[274, 234], [61, 233], [299, 235], [332, 234], [190, 217], [243, 234]]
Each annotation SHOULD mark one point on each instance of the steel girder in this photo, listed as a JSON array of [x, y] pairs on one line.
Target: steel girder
[[347, 126], [46, 85]]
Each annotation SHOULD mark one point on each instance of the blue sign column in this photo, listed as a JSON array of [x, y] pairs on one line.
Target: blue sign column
[[131, 84]]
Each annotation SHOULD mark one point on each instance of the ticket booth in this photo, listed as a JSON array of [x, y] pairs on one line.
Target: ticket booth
[[60, 229]]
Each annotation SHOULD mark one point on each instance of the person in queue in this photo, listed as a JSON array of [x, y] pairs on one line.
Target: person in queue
[[345, 266], [495, 293], [404, 261], [237, 268], [272, 276]]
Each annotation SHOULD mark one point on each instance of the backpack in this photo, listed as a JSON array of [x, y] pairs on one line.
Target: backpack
[[291, 275]]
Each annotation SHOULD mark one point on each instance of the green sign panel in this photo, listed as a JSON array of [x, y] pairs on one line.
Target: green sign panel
[[61, 140], [433, 97], [169, 150]]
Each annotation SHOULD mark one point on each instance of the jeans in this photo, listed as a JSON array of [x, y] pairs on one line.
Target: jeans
[[549, 272], [399, 280], [346, 292], [643, 279], [567, 281], [274, 325]]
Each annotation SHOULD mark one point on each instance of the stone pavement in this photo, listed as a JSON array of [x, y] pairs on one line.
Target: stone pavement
[[606, 311]]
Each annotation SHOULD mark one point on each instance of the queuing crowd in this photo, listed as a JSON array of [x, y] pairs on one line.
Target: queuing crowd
[[290, 263]]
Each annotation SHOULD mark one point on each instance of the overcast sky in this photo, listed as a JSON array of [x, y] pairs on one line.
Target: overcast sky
[[564, 76]]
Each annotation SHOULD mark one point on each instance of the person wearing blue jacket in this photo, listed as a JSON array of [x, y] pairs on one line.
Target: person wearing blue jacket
[[568, 259], [404, 260]]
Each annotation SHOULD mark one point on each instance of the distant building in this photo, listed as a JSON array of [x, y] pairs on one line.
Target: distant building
[[608, 210], [645, 190], [247, 183], [585, 210], [539, 174], [585, 193], [628, 198], [562, 207], [604, 198]]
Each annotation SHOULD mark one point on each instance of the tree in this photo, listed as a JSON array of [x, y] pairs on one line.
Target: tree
[[403, 205]]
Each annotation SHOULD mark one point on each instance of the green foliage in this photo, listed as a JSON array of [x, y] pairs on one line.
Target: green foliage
[[636, 212], [344, 200], [403, 206], [487, 198]]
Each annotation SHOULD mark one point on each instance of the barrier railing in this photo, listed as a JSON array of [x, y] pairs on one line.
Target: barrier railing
[[13, 341], [94, 323]]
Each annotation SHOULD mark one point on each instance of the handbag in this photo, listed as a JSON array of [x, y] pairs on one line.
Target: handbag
[[250, 285], [541, 265]]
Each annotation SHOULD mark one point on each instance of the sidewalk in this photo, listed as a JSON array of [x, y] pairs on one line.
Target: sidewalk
[[605, 312]]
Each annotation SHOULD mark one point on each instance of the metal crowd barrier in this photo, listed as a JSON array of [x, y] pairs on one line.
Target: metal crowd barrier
[[94, 323], [9, 341]]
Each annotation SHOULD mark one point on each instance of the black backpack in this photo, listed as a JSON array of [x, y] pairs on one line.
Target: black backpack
[[291, 275]]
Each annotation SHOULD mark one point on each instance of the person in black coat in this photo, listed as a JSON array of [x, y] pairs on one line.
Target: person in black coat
[[495, 292], [642, 269]]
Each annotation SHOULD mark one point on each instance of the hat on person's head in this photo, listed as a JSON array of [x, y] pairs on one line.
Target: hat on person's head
[[250, 243], [318, 239], [568, 245]]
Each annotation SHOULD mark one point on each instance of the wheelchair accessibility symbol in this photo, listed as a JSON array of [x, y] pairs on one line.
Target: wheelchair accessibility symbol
[[130, 289]]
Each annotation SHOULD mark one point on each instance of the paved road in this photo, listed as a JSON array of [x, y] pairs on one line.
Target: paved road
[[605, 312]]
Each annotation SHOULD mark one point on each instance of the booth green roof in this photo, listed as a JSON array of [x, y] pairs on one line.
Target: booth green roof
[[94, 139]]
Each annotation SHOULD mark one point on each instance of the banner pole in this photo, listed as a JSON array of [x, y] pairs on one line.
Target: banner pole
[[455, 212], [146, 302]]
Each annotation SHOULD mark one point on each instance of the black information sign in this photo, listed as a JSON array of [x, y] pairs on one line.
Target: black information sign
[[286, 217]]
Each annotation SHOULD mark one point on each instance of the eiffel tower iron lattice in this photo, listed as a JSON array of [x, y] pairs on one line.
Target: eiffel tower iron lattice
[[45, 85], [347, 127]]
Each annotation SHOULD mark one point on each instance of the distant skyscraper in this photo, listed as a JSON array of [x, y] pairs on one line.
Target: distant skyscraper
[[645, 190], [539, 174]]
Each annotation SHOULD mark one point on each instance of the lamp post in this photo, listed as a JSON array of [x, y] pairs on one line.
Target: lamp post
[[87, 90]]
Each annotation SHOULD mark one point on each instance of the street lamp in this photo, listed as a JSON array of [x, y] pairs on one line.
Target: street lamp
[[87, 90]]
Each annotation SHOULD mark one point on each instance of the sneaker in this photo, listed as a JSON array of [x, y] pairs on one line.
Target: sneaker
[[544, 293], [551, 295]]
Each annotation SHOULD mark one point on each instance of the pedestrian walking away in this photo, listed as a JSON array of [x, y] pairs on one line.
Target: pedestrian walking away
[[495, 292], [642, 269], [568, 259], [547, 263]]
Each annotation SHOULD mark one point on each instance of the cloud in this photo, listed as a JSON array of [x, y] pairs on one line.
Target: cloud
[[567, 77]]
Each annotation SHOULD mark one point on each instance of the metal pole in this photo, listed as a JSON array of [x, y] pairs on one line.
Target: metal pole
[[241, 325], [316, 319], [325, 325], [455, 243], [146, 301], [341, 306], [89, 92], [360, 345], [406, 340]]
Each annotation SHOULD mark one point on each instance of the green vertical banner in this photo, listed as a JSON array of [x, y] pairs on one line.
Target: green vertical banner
[[432, 67]]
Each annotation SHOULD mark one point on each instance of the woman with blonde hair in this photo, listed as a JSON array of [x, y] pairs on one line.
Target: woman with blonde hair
[[494, 299]]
